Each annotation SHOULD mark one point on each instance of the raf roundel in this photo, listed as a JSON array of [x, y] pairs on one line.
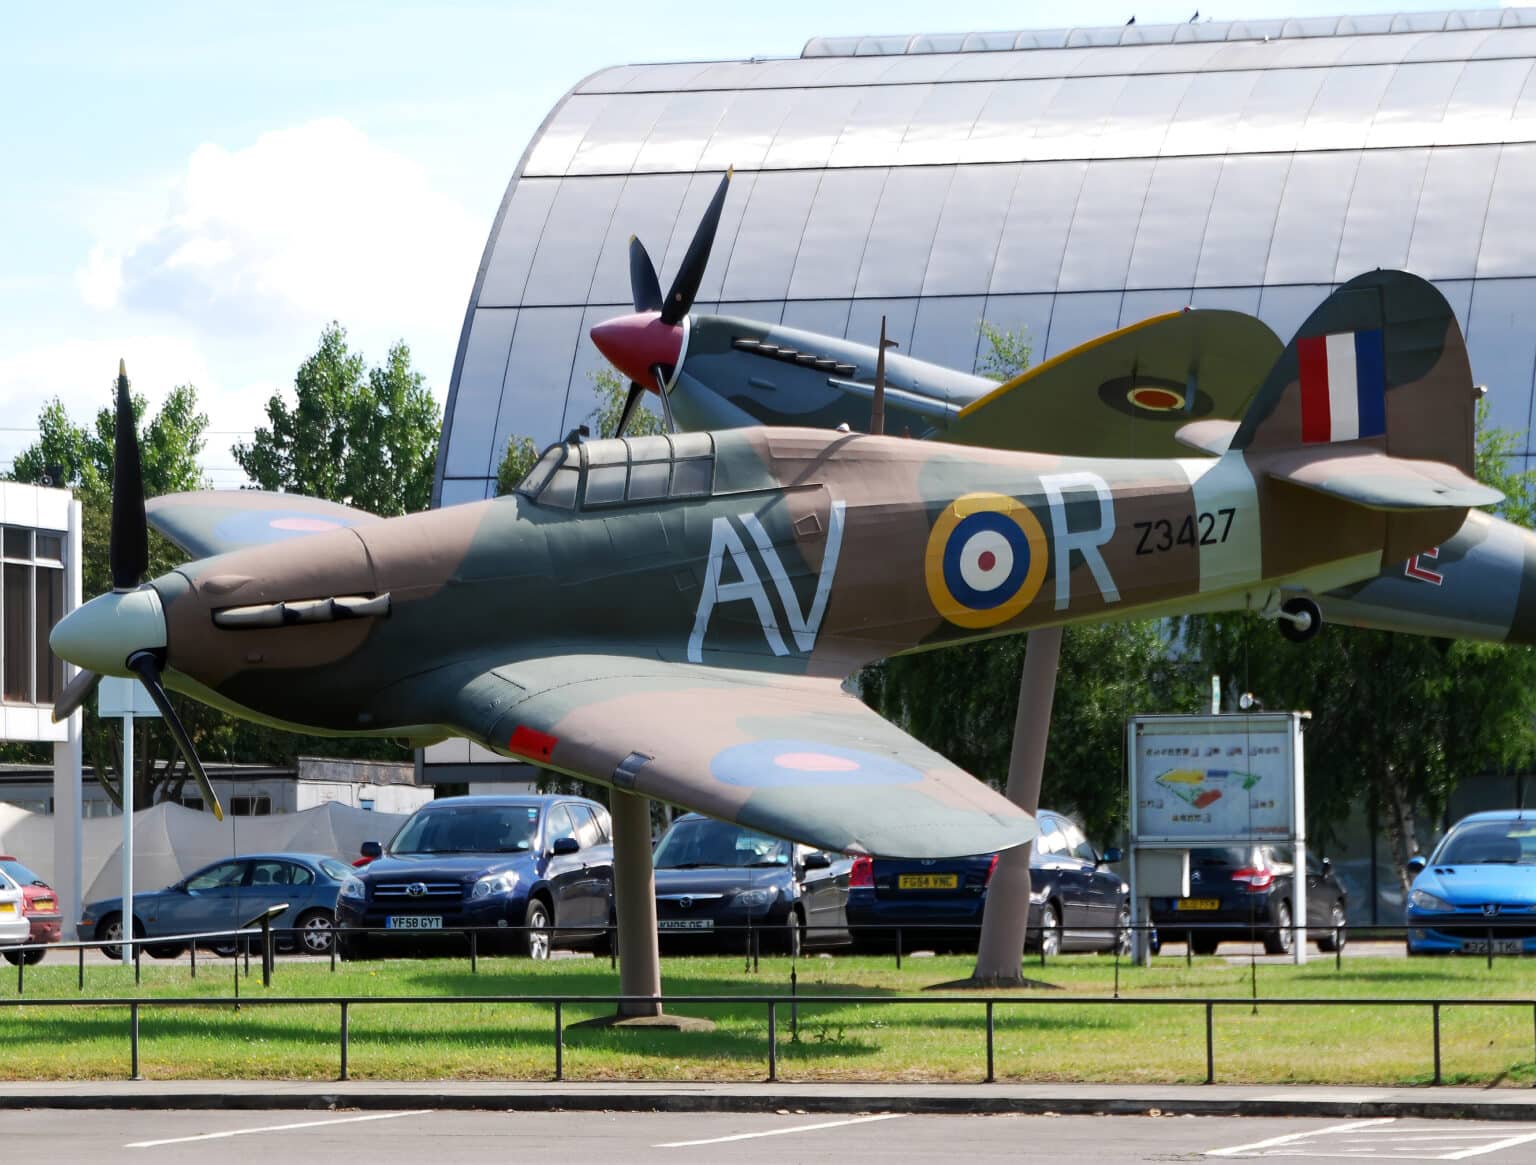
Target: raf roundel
[[986, 560]]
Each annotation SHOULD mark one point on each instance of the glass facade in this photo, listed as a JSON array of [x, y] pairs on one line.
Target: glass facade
[[1069, 181]]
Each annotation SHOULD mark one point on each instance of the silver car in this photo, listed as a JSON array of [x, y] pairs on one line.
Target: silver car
[[15, 927]]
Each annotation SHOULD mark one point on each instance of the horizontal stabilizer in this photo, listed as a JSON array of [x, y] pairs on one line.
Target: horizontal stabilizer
[[1127, 394], [1380, 482], [208, 522]]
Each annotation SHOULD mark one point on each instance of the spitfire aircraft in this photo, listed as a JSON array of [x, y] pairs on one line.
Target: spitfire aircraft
[[1171, 386], [675, 615]]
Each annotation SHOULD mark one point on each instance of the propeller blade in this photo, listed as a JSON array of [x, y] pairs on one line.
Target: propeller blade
[[75, 693], [686, 285], [659, 371], [128, 553], [146, 665], [643, 284], [631, 402]]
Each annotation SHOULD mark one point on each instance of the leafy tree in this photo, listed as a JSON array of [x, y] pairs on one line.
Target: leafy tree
[[1006, 352], [1397, 720], [362, 437]]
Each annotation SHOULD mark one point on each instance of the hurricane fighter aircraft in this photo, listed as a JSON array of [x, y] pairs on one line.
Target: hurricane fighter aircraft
[[1174, 385], [675, 615]]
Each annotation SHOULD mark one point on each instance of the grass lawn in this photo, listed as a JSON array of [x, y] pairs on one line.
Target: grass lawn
[[944, 1040]]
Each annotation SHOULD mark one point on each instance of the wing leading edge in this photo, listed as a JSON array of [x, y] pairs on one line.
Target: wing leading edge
[[793, 757]]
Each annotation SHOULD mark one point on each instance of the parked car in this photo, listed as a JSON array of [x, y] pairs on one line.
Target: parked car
[[1476, 894], [714, 878], [542, 865], [1247, 893], [224, 896], [40, 905], [1075, 904], [14, 926]]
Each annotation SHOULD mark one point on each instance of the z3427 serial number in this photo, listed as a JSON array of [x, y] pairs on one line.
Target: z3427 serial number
[[1204, 529]]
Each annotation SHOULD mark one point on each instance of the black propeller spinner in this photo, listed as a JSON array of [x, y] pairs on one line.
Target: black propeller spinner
[[645, 289], [128, 559]]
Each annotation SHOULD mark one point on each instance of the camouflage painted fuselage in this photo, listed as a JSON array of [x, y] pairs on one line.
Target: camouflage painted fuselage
[[812, 554]]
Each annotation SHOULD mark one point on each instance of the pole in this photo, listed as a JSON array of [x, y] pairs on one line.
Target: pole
[[634, 894], [1005, 917], [126, 949]]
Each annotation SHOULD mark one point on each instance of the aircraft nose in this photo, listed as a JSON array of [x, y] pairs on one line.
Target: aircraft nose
[[634, 344], [101, 635]]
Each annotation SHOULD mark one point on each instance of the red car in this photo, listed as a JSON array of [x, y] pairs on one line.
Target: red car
[[40, 905]]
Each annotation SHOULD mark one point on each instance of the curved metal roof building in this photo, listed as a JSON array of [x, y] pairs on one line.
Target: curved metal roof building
[[1070, 181]]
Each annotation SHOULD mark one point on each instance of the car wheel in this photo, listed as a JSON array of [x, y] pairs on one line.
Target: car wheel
[[794, 933], [317, 930], [110, 932], [1279, 940], [1123, 935], [352, 947], [166, 950], [1337, 935], [1203, 944], [1050, 930], [537, 937]]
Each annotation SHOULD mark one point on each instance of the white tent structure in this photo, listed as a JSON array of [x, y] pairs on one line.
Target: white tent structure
[[170, 841]]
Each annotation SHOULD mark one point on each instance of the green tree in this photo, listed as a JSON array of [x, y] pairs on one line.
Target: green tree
[[1397, 720], [362, 437]]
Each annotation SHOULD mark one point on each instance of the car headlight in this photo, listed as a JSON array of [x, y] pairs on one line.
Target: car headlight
[[503, 883], [1424, 900], [353, 888], [755, 899]]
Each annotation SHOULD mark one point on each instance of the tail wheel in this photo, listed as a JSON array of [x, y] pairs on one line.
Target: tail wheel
[[317, 931], [537, 921], [1300, 619]]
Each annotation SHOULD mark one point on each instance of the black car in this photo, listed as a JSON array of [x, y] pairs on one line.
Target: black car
[[539, 865], [717, 883], [1247, 893], [1075, 904]]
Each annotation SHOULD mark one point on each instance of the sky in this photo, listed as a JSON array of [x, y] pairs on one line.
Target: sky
[[199, 188]]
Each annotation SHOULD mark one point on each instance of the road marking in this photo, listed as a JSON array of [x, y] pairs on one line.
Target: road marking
[[857, 1120], [1292, 1137], [1479, 1150], [344, 1120]]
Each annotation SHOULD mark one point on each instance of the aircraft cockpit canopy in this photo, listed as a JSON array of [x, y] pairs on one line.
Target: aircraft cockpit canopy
[[598, 474]]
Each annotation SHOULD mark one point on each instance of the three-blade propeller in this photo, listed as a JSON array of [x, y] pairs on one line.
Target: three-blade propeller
[[128, 559], [653, 344]]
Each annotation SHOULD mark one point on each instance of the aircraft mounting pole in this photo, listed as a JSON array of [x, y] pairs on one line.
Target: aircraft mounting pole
[[1004, 918], [634, 895]]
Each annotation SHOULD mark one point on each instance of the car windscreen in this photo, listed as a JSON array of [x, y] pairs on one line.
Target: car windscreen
[[20, 873], [1489, 843], [469, 829], [700, 842], [1227, 857]]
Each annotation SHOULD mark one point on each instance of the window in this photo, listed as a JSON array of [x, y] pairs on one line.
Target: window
[[250, 806], [219, 877], [1077, 843], [31, 602], [1051, 840], [558, 826], [587, 831]]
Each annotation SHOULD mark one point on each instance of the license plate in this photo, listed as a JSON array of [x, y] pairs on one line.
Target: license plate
[[927, 881], [1199, 904], [685, 924], [46, 905], [1501, 946], [7, 908], [414, 922]]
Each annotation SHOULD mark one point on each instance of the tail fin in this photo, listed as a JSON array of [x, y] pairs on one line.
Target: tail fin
[[1381, 362]]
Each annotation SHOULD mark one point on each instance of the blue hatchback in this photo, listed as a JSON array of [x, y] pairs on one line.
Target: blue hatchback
[[1476, 894]]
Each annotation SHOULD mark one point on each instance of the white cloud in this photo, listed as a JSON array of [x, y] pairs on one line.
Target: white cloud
[[304, 225]]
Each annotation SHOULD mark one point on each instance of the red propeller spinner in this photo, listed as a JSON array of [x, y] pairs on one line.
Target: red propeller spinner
[[635, 344]]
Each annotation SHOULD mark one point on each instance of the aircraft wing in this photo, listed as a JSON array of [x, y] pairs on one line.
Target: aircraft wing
[[207, 522], [793, 757], [1129, 393]]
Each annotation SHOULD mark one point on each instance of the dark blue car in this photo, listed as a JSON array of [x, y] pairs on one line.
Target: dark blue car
[[539, 868], [1075, 904], [717, 883]]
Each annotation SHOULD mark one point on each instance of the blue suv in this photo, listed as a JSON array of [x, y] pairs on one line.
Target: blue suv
[[538, 868]]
